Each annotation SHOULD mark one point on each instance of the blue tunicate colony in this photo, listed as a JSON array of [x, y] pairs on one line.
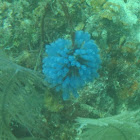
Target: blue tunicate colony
[[68, 67]]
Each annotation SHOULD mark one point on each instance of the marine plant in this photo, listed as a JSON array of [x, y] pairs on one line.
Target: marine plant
[[21, 101], [123, 126]]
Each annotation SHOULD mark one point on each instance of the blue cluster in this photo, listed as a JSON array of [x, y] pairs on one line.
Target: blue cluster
[[68, 67]]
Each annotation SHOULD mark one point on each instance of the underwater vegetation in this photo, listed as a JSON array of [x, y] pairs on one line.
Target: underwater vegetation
[[68, 67], [122, 126], [21, 101]]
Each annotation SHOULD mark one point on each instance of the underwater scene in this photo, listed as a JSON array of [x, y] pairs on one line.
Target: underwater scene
[[69, 69]]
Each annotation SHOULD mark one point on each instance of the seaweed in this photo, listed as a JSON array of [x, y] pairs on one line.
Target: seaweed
[[124, 126], [21, 101]]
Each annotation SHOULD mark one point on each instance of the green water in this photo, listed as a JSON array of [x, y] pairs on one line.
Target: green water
[[107, 108]]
